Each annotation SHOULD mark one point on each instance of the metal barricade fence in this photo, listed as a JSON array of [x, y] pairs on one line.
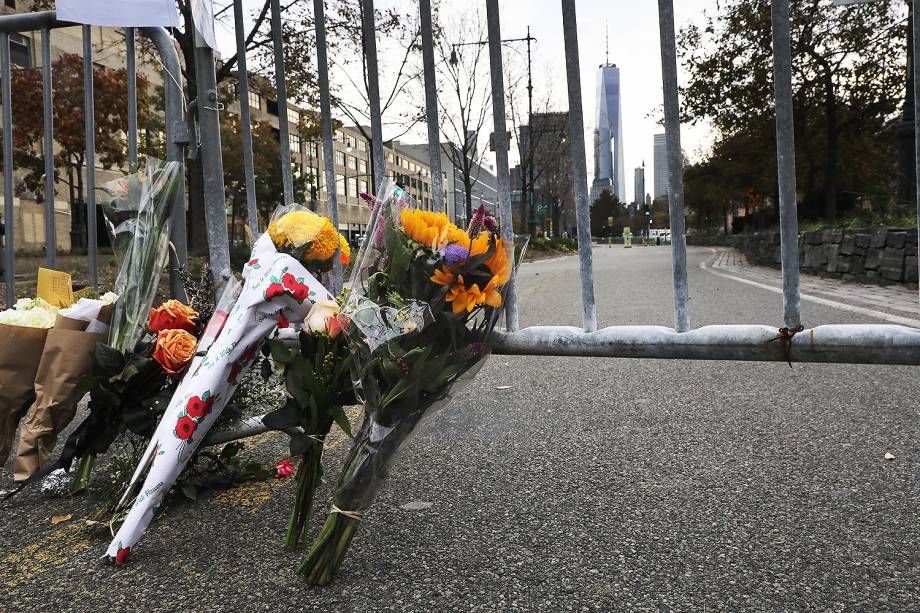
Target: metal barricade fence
[[176, 137], [874, 344]]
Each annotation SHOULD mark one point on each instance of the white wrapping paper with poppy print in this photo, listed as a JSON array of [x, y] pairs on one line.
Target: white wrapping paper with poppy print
[[275, 286]]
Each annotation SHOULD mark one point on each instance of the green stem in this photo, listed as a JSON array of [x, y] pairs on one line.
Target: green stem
[[308, 479], [83, 473]]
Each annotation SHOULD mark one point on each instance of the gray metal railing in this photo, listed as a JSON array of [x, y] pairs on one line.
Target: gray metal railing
[[867, 343], [44, 22], [883, 344]]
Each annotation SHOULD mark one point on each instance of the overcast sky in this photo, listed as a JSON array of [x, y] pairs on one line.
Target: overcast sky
[[633, 46]]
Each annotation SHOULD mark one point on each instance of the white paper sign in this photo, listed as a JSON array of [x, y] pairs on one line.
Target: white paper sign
[[119, 13], [203, 15]]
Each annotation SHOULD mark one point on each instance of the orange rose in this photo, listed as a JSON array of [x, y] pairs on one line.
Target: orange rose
[[174, 350], [172, 315]]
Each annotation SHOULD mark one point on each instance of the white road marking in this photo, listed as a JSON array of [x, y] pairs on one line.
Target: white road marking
[[895, 319]]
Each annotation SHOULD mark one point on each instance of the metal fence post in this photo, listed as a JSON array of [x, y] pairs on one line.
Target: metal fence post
[[89, 110], [675, 164], [284, 131], [785, 159], [48, 119], [916, 68], [212, 164], [131, 67], [502, 174], [9, 261], [431, 107], [368, 26], [325, 105], [579, 164], [242, 76]]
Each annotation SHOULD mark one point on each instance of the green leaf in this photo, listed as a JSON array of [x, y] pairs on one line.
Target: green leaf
[[190, 491], [338, 414], [286, 417], [107, 361]]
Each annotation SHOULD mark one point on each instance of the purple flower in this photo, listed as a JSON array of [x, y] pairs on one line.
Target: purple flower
[[477, 222], [456, 255], [490, 224]]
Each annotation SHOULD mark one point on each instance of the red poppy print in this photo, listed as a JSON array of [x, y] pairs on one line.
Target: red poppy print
[[296, 288], [253, 262], [282, 321], [185, 427], [274, 290], [250, 353], [122, 555], [235, 371], [198, 408]]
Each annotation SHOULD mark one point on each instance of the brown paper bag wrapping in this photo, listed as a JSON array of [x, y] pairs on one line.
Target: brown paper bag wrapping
[[20, 354], [64, 361]]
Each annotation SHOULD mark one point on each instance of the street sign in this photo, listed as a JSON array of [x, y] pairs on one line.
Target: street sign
[[541, 208]]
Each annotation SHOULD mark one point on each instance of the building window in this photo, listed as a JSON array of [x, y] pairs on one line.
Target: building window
[[295, 142], [340, 185], [352, 187], [20, 49], [389, 158], [352, 162], [362, 186], [362, 146], [255, 101], [313, 148], [339, 158], [293, 116], [339, 136], [271, 106], [351, 141], [362, 165], [11, 4]]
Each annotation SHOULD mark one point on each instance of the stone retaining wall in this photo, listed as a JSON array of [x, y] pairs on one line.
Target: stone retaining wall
[[869, 256]]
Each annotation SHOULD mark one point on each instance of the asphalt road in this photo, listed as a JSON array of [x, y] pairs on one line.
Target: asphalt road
[[589, 484]]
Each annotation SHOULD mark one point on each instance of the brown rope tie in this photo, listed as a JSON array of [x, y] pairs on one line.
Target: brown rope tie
[[784, 336]]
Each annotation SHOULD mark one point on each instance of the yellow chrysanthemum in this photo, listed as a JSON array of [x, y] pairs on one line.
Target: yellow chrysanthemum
[[431, 229], [296, 229], [310, 236], [324, 243]]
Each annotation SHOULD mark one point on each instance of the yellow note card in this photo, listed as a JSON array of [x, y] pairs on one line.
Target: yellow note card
[[55, 287]]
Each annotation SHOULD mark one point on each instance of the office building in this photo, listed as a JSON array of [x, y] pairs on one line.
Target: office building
[[608, 137], [661, 167]]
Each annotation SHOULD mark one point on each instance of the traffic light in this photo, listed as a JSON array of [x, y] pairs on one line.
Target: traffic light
[[648, 210]]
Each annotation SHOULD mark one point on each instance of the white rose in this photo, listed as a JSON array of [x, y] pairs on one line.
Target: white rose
[[319, 313], [108, 297]]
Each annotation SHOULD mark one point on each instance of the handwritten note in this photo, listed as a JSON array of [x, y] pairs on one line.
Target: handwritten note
[[55, 287]]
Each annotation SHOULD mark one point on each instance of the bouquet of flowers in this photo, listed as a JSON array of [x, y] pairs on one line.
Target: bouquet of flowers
[[277, 290], [423, 300], [65, 360], [317, 375], [23, 330], [124, 373]]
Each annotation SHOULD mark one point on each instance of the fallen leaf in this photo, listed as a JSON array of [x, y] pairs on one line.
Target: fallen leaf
[[59, 519], [502, 388], [889, 456]]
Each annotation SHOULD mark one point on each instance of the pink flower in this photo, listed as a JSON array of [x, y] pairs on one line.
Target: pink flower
[[284, 469]]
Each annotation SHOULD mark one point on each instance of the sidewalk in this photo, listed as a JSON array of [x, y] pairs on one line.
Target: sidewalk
[[897, 300]]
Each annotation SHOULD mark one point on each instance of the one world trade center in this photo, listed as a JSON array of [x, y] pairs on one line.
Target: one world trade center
[[609, 171]]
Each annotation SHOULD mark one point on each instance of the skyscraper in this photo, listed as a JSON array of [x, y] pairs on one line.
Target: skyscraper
[[661, 167], [609, 169], [639, 184]]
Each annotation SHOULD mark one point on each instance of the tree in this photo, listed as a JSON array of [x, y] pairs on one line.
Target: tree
[[398, 36], [540, 147], [848, 80], [607, 207], [467, 99], [110, 112], [267, 171]]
